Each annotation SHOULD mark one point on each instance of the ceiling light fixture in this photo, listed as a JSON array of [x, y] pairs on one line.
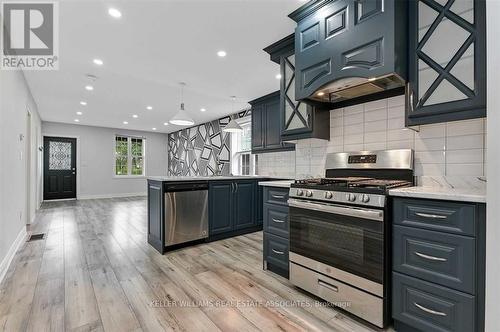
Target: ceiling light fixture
[[203, 110], [79, 113], [278, 76], [98, 62], [125, 122], [83, 103], [149, 108], [221, 53], [182, 117], [321, 94], [89, 88], [165, 123], [232, 126], [76, 120], [135, 116], [113, 12], [154, 128]]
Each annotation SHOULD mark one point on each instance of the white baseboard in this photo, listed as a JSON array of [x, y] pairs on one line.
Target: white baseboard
[[20, 239], [111, 196]]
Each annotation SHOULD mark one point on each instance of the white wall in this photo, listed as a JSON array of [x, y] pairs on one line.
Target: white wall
[[493, 197], [15, 99], [96, 159]]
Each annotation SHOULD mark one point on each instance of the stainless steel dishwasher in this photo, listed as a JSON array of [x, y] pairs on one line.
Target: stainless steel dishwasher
[[186, 212]]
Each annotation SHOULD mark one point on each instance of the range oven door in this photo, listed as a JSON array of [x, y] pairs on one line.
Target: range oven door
[[346, 238]]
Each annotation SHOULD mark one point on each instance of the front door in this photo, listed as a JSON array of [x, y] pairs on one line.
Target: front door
[[59, 168]]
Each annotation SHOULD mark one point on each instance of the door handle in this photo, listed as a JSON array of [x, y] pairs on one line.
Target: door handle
[[430, 311], [431, 258], [327, 285], [236, 187], [431, 216]]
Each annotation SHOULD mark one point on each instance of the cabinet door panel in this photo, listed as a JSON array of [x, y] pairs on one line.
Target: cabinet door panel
[[447, 61], [258, 131], [273, 134], [221, 207], [244, 210]]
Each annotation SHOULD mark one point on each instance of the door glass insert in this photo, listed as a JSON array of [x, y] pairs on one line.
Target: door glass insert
[[463, 70], [445, 92], [464, 9], [426, 15], [426, 76], [59, 156]]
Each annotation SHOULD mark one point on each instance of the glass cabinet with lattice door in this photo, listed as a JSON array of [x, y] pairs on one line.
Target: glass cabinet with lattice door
[[447, 61]]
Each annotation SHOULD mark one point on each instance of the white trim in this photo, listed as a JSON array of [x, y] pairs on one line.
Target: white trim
[[78, 168], [83, 197], [18, 242], [129, 157]]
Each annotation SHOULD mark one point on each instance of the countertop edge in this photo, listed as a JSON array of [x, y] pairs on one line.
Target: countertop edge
[[279, 184], [439, 194]]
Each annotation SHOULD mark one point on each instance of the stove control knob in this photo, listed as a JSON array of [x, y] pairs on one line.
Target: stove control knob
[[365, 198], [328, 195], [309, 193], [350, 197], [300, 192]]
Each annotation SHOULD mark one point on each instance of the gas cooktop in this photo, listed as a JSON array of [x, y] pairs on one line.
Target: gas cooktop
[[351, 184]]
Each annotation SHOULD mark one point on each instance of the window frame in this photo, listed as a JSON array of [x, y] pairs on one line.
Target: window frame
[[236, 162], [129, 157]]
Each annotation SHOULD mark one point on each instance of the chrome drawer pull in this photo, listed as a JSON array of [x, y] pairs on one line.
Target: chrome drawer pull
[[432, 216], [278, 221], [327, 285], [278, 252], [431, 258], [278, 196], [430, 311]]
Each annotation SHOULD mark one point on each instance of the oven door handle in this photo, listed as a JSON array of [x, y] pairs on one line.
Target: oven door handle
[[337, 209]]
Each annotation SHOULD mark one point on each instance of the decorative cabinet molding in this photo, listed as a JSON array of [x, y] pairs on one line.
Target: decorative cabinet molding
[[447, 61], [298, 120], [349, 41]]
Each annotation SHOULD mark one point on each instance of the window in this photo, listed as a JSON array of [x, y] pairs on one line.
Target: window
[[243, 162], [129, 156]]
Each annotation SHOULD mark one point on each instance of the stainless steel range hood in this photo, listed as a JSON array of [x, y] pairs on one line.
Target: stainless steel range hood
[[346, 49]]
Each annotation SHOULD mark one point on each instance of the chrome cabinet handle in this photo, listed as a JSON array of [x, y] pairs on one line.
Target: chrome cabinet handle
[[430, 311], [278, 221], [278, 196], [327, 285], [278, 252], [431, 258], [431, 216]]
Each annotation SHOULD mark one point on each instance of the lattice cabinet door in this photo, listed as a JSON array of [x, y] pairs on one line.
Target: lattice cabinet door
[[447, 61], [295, 115]]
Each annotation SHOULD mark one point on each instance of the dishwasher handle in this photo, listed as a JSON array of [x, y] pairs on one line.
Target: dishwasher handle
[[186, 186]]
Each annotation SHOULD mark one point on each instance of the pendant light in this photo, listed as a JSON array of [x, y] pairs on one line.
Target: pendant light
[[232, 126], [182, 117]]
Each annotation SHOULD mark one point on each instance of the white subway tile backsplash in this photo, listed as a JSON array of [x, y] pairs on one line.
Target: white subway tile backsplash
[[454, 150]]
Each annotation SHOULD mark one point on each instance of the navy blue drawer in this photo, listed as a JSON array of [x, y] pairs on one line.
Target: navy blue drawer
[[276, 254], [276, 220], [274, 195], [446, 259], [443, 216], [430, 307]]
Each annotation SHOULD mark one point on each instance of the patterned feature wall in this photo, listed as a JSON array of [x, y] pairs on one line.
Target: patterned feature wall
[[202, 150]]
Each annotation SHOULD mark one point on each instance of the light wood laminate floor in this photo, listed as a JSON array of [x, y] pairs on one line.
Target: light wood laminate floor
[[94, 271]]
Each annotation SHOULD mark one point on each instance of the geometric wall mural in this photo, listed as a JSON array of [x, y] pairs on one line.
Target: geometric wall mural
[[203, 150]]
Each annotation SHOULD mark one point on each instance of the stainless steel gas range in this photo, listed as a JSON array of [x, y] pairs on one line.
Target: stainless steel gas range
[[340, 230]]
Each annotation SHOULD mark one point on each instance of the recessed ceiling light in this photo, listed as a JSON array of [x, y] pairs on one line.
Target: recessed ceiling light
[[149, 108], [113, 12], [89, 88], [278, 76], [83, 103], [222, 53], [203, 110], [135, 116], [76, 120], [98, 62], [125, 122], [154, 128], [320, 94], [165, 123], [79, 113]]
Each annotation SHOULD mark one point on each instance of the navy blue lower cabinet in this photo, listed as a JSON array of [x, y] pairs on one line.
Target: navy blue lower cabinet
[[220, 207], [244, 204], [438, 264]]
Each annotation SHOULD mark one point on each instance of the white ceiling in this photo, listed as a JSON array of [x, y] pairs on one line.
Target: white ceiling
[[153, 47]]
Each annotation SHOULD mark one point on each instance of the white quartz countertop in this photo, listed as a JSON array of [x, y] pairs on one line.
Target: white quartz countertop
[[208, 178], [443, 193], [281, 183]]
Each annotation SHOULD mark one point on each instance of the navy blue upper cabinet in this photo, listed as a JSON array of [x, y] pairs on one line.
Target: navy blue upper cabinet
[[266, 133], [447, 61], [297, 120], [342, 46]]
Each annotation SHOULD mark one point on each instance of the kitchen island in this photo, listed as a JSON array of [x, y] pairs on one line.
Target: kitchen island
[[185, 210]]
